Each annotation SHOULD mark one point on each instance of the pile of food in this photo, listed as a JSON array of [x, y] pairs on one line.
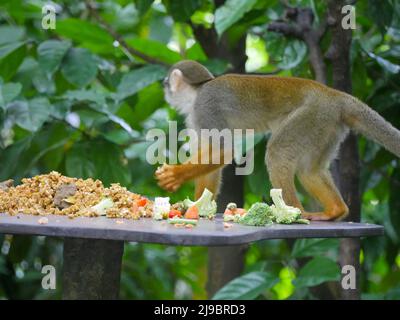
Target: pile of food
[[185, 213], [261, 214], [54, 193]]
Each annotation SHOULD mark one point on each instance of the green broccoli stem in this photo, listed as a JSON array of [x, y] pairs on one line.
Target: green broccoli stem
[[182, 221], [302, 221]]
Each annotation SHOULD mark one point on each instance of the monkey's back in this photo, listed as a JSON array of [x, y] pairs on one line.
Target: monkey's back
[[252, 101]]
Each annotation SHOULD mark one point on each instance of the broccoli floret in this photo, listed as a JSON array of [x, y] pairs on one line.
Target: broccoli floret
[[206, 205], [231, 206], [259, 214], [232, 217], [285, 215], [282, 213]]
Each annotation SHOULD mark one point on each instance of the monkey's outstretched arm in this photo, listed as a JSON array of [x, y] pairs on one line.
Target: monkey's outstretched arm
[[171, 177]]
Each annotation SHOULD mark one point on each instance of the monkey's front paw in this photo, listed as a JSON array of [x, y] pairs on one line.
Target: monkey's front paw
[[169, 178]]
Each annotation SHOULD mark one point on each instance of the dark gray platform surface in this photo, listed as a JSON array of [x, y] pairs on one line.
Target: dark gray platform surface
[[206, 233]]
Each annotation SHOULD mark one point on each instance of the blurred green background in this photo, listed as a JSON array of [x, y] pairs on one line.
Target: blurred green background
[[76, 100]]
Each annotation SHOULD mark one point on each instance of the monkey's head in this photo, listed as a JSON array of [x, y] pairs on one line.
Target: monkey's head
[[182, 82]]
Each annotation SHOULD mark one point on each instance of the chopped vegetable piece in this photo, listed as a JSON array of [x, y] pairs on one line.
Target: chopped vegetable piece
[[192, 213], [258, 215], [231, 206], [240, 211], [302, 221], [206, 205], [161, 208], [180, 206], [101, 208], [43, 220], [228, 212], [227, 225], [142, 202], [182, 221], [281, 211], [174, 213]]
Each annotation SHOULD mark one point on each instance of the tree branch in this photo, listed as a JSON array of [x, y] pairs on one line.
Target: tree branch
[[93, 11], [298, 23]]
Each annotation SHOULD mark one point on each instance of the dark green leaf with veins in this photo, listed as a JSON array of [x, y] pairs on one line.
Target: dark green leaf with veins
[[246, 287], [317, 271], [137, 79], [80, 67], [51, 53]]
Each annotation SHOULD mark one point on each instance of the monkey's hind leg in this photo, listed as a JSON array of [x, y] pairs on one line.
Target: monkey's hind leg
[[281, 171], [321, 186], [211, 181]]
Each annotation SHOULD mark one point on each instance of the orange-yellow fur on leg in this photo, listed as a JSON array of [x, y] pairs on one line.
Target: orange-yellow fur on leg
[[210, 181], [320, 185]]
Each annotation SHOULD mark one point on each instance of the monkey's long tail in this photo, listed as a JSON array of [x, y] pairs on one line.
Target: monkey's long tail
[[369, 123]]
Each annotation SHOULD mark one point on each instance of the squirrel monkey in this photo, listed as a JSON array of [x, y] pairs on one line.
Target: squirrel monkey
[[307, 121]]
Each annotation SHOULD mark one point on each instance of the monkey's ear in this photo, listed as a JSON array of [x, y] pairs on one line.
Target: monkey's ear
[[175, 79]]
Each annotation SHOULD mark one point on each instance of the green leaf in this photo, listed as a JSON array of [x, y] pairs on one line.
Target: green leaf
[[9, 92], [43, 82], [51, 53], [30, 115], [246, 287], [182, 10], [231, 12], [8, 48], [293, 54], [11, 56], [313, 247], [385, 64], [87, 95], [11, 34], [381, 12], [148, 100], [143, 6], [317, 271], [89, 35], [80, 67], [11, 158], [77, 162], [154, 49], [196, 52], [285, 53], [98, 159], [138, 79]]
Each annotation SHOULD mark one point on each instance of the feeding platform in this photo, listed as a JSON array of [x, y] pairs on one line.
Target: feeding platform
[[93, 247]]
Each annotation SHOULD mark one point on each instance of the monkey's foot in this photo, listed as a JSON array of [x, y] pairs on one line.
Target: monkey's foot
[[322, 216], [168, 177]]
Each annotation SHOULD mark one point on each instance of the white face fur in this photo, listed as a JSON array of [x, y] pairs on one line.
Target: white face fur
[[178, 93]]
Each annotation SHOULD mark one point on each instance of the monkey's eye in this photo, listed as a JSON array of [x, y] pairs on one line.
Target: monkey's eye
[[166, 81]]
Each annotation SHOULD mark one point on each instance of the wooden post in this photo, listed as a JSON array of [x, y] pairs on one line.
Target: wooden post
[[226, 263], [350, 255], [91, 269], [349, 165]]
